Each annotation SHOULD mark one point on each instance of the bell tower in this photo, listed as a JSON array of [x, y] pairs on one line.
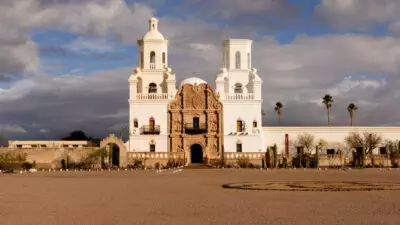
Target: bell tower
[[153, 48]]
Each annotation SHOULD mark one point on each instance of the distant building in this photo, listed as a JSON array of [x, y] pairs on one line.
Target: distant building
[[48, 144]]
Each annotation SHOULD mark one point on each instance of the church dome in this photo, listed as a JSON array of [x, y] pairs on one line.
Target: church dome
[[192, 81], [153, 33]]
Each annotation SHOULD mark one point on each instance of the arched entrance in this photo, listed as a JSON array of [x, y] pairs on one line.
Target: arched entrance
[[113, 154], [117, 150], [196, 153]]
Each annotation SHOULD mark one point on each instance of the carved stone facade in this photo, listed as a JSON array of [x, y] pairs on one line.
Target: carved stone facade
[[194, 120]]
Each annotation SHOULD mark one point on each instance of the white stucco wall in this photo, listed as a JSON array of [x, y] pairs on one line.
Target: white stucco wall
[[250, 143], [333, 135], [142, 143], [247, 111]]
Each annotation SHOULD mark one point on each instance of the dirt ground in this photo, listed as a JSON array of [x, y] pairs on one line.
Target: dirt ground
[[191, 197]]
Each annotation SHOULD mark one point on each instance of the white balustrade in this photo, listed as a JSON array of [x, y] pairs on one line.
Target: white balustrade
[[240, 96], [154, 96]]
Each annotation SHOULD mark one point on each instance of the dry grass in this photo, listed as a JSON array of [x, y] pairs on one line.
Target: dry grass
[[192, 197]]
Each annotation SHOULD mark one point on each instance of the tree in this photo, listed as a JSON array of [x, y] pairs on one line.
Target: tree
[[393, 148], [328, 100], [278, 110], [367, 142], [305, 142], [76, 135], [351, 108]]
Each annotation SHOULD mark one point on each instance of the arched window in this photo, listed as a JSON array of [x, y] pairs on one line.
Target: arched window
[[163, 57], [254, 123], [135, 123], [237, 60], [238, 88], [248, 60], [239, 125], [152, 57], [152, 88], [152, 123], [141, 59]]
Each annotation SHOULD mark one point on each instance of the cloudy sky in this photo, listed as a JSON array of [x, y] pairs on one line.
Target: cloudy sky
[[64, 64]]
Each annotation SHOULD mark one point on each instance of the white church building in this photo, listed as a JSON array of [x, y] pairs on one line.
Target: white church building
[[205, 122], [195, 122]]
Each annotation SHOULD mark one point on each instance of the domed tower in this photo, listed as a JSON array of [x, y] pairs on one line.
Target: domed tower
[[151, 86], [239, 87]]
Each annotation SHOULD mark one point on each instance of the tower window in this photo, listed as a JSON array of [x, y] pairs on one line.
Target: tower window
[[141, 59], [248, 60], [163, 57], [152, 57], [238, 88], [135, 123], [237, 60], [152, 147], [254, 123], [239, 147], [239, 126], [152, 88]]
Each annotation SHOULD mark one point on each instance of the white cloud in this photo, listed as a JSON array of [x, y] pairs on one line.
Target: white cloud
[[358, 13], [84, 45], [6, 128]]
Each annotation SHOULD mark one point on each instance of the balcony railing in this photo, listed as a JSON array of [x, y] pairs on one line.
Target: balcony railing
[[240, 96], [154, 96], [148, 130], [152, 65], [191, 128]]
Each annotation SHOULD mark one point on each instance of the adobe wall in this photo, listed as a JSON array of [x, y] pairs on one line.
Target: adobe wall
[[51, 157]]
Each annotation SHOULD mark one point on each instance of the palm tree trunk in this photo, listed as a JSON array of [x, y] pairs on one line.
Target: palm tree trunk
[[351, 119], [329, 117], [279, 118]]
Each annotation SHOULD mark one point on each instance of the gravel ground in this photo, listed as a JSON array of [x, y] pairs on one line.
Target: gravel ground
[[191, 197]]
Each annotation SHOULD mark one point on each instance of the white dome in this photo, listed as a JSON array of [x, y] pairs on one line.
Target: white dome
[[153, 35], [192, 81]]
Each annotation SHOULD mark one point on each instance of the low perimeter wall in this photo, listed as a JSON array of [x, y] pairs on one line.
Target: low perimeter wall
[[51, 157]]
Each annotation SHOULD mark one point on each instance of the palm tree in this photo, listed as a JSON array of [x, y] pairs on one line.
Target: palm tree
[[328, 100], [351, 108], [278, 110]]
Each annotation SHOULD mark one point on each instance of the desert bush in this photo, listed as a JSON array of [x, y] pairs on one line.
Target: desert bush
[[13, 160], [175, 163], [243, 162], [218, 163], [27, 166], [137, 164]]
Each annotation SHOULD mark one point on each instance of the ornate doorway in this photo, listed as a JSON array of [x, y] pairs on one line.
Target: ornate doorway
[[196, 153]]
